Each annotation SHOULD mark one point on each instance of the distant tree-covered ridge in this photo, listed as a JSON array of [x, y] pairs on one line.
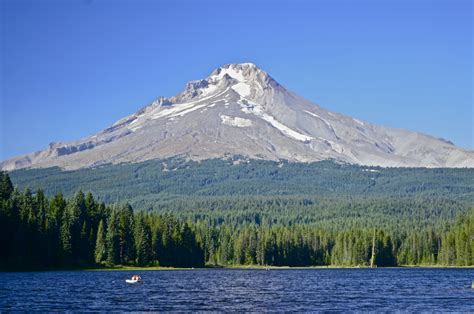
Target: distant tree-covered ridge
[[145, 184], [38, 232]]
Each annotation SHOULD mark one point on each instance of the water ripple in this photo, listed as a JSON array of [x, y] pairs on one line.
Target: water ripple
[[404, 289]]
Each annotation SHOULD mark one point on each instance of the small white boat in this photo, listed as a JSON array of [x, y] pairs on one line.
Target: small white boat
[[132, 280]]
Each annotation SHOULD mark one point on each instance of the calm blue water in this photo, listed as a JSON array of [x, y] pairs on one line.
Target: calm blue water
[[242, 290]]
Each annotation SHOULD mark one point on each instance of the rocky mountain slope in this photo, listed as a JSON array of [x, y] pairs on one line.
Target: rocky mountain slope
[[240, 110]]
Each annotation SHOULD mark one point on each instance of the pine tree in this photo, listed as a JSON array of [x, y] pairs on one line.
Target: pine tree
[[112, 239], [6, 186], [8, 219], [192, 253], [91, 209], [85, 251], [143, 242], [100, 254], [41, 203], [125, 231], [66, 238]]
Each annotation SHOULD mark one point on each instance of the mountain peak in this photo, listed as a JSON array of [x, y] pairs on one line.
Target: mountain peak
[[242, 72], [240, 110], [240, 77], [240, 66]]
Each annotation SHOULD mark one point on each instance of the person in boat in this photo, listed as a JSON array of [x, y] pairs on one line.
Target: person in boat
[[136, 277]]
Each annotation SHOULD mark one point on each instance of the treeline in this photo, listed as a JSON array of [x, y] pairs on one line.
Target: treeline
[[40, 232], [295, 246], [310, 245]]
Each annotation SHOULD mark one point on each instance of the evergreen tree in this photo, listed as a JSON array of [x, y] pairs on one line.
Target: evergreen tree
[[125, 232], [143, 242], [66, 238], [112, 239], [100, 254], [6, 186]]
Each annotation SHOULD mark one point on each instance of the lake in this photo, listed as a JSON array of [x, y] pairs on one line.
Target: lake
[[394, 289]]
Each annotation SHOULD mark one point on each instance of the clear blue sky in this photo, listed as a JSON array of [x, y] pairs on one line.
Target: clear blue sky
[[72, 68]]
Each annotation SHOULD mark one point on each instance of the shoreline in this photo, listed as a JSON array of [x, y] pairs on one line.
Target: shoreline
[[231, 267], [260, 267]]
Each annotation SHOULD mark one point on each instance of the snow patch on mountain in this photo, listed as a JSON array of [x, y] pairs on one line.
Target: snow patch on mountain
[[183, 108], [209, 90], [235, 121], [319, 117], [284, 129], [251, 107], [242, 89]]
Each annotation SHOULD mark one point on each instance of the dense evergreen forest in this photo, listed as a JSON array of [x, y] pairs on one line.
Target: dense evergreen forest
[[41, 232], [146, 184], [37, 232]]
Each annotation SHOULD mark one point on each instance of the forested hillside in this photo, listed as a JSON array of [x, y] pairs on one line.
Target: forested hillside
[[38, 232], [237, 191], [144, 184]]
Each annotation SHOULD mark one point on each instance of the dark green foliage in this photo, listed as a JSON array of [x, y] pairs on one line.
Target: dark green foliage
[[457, 245], [147, 184], [6, 186], [125, 232], [112, 239], [143, 241], [66, 237], [100, 252], [293, 230], [42, 233]]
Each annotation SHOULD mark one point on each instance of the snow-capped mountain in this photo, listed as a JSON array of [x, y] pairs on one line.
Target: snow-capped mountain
[[240, 110]]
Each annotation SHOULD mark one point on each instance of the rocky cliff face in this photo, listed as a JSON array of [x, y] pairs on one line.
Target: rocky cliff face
[[240, 110]]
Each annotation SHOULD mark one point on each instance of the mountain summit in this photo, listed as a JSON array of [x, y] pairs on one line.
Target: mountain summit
[[240, 110]]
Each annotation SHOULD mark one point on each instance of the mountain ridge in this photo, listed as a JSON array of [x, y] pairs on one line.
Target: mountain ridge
[[240, 109]]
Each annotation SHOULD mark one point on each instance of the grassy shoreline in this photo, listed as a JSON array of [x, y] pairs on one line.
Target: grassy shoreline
[[244, 267], [255, 267]]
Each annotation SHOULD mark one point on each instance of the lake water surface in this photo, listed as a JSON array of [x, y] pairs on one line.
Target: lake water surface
[[396, 289]]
